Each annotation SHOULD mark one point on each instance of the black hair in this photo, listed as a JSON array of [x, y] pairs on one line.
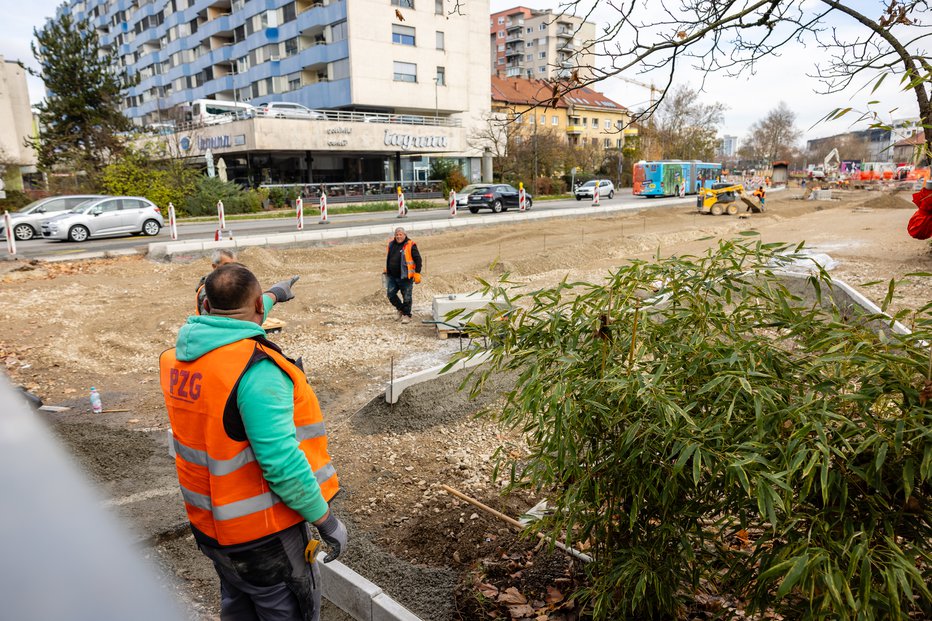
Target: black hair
[[231, 286]]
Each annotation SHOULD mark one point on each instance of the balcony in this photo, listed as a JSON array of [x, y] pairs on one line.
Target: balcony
[[566, 33], [575, 130], [513, 51], [518, 25]]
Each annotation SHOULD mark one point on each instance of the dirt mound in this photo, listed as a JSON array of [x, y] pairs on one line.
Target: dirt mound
[[889, 201]]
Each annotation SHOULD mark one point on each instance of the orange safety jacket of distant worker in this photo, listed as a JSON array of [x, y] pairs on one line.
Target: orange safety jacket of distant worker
[[409, 266], [225, 493]]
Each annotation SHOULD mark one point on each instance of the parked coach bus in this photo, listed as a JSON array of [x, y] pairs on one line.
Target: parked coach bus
[[669, 177]]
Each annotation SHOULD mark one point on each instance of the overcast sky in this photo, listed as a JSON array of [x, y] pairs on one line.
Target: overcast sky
[[749, 97]]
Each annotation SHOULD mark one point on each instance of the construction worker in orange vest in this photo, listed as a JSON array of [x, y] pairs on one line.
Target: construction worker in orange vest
[[251, 453], [761, 194], [403, 265]]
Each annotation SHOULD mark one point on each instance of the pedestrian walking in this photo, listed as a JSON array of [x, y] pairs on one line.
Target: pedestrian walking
[[251, 453], [403, 265]]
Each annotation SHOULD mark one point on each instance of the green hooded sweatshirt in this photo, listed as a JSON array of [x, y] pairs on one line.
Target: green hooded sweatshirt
[[265, 399]]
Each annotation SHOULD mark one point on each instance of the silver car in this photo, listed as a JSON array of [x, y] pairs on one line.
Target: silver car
[[462, 197], [286, 110], [26, 221], [109, 215], [586, 190]]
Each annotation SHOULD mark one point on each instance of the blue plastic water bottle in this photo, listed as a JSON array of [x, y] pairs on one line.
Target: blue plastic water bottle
[[96, 405]]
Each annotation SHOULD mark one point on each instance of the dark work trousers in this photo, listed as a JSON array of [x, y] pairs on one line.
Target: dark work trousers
[[267, 580], [404, 286]]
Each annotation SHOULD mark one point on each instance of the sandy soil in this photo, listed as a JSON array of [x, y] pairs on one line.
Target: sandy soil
[[69, 326]]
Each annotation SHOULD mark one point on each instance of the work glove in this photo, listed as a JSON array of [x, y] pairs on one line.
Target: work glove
[[333, 532], [417, 278], [282, 290]]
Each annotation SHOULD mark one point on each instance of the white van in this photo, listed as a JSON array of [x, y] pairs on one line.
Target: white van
[[214, 111]]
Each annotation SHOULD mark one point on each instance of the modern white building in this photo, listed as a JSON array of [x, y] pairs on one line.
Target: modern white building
[[363, 63], [729, 145], [16, 125]]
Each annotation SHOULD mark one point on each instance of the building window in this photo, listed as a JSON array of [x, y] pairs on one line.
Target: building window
[[402, 35], [595, 123], [291, 47], [501, 20], [294, 81], [530, 44], [554, 120], [528, 57], [438, 7], [405, 72], [518, 118], [542, 70], [607, 143], [441, 76], [501, 61], [618, 143], [405, 4], [529, 31], [608, 124], [440, 41], [338, 31], [288, 13], [542, 55], [501, 34], [501, 48], [340, 69], [543, 119]]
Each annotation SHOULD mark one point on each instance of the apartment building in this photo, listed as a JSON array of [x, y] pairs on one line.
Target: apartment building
[[584, 117], [404, 61], [543, 45]]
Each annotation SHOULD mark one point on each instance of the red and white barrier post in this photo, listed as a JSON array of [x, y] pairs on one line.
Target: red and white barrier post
[[595, 195], [522, 198], [299, 212], [402, 208], [221, 222], [323, 208], [10, 234], [172, 225], [452, 204]]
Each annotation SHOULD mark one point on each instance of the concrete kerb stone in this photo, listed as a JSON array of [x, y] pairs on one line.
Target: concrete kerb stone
[[358, 597], [394, 388]]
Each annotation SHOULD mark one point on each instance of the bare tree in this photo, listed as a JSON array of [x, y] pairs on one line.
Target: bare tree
[[685, 128], [774, 137], [732, 36]]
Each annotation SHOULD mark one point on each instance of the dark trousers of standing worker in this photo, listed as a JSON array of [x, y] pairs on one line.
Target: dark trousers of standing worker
[[404, 286], [268, 579]]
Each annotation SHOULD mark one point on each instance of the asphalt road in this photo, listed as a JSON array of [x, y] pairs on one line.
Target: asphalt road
[[40, 248]]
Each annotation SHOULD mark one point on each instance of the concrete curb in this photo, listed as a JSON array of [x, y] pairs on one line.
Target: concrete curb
[[358, 597], [394, 388], [164, 251]]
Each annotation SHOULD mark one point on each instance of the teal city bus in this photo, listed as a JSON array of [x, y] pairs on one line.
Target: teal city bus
[[674, 177]]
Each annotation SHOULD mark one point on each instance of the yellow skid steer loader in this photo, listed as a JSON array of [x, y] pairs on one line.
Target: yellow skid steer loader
[[723, 198]]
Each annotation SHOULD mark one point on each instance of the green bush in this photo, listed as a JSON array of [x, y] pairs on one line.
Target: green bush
[[449, 172], [706, 430], [14, 200], [209, 190], [159, 178], [282, 197]]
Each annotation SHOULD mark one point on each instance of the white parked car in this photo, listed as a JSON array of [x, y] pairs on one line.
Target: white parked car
[[26, 221], [285, 110], [587, 190], [101, 217], [462, 197]]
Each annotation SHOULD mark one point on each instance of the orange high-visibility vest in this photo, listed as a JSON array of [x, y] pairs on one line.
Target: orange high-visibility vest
[[225, 494], [408, 266]]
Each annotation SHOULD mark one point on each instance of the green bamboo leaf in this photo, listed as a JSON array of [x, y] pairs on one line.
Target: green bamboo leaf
[[793, 575], [909, 476], [880, 457], [883, 76], [697, 466], [685, 454]]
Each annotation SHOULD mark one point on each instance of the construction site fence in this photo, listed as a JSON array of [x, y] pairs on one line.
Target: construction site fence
[[361, 192]]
